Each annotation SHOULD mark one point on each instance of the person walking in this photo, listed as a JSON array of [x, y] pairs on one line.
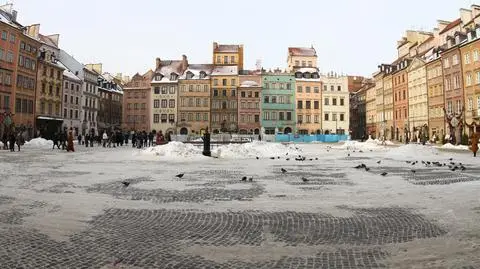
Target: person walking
[[104, 138], [11, 141], [474, 142], [19, 140], [55, 141]]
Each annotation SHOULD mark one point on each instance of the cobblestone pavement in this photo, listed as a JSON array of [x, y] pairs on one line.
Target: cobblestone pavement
[[338, 218]]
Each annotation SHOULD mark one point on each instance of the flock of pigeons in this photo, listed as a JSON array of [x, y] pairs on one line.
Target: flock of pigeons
[[452, 166]]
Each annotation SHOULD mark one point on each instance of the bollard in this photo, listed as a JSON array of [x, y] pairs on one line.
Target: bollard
[[206, 144]]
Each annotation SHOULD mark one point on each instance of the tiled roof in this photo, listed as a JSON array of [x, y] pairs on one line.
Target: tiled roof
[[195, 69], [298, 51], [227, 48], [451, 25], [225, 70], [47, 40]]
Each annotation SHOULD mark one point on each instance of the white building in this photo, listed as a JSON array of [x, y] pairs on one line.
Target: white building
[[417, 96], [72, 100], [336, 104], [90, 95]]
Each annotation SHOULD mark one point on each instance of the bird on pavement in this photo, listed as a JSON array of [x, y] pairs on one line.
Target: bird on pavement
[[180, 175], [384, 173], [304, 179], [413, 171], [250, 179], [283, 170], [125, 183], [379, 162], [258, 157], [288, 159], [244, 178], [367, 169], [272, 158]]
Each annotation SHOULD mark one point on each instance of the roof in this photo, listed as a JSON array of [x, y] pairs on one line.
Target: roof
[[451, 25], [47, 40], [307, 69], [299, 51], [69, 74], [225, 71], [227, 48], [167, 68], [195, 69], [7, 17]]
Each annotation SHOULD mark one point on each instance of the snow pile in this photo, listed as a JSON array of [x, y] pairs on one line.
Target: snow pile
[[411, 151], [458, 147], [173, 150], [39, 143], [1, 145], [355, 145], [254, 149]]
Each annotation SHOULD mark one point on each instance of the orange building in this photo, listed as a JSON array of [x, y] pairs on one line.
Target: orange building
[[400, 99]]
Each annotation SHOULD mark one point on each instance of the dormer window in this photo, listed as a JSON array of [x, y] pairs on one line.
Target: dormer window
[[173, 76], [202, 74], [158, 77], [307, 75], [457, 40], [315, 75], [189, 75], [477, 32], [469, 36], [298, 75]]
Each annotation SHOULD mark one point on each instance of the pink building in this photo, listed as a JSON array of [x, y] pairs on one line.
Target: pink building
[[249, 97]]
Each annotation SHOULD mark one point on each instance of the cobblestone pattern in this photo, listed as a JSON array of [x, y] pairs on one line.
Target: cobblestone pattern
[[12, 216], [117, 190], [157, 239], [317, 176], [6, 200]]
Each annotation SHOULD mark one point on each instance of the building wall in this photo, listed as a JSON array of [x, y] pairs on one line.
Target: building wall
[[297, 62], [224, 103], [249, 104], [379, 102], [194, 106], [335, 116], [49, 89], [453, 83], [308, 100], [371, 110], [389, 112], [400, 104], [137, 104], [164, 115], [25, 94], [90, 102], [72, 103], [417, 97], [470, 55], [271, 112], [436, 99]]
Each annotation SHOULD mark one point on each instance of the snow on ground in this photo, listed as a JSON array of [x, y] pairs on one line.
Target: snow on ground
[[59, 192], [38, 143], [454, 147]]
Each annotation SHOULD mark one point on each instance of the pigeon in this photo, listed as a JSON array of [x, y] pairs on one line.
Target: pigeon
[[286, 154], [413, 171], [379, 162], [316, 159], [258, 158], [408, 161], [413, 163], [384, 173], [288, 159], [304, 179], [244, 178], [179, 175], [311, 159], [463, 168], [451, 159], [272, 158], [278, 157], [348, 154], [125, 183], [359, 166], [250, 179], [367, 169], [283, 170], [361, 151]]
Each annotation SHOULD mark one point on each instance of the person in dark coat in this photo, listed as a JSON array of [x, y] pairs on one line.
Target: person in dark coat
[[11, 141], [55, 141], [19, 140], [150, 139], [70, 142], [134, 139]]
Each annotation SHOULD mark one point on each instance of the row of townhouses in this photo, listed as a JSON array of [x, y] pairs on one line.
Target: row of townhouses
[[44, 90], [431, 90], [182, 98]]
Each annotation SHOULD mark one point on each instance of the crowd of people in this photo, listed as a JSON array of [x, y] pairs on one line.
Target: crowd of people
[[118, 138], [12, 138]]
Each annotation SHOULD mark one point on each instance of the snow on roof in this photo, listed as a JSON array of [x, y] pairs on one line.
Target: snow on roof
[[67, 73], [195, 69], [299, 51], [307, 69], [47, 40], [227, 48], [167, 68], [225, 70], [249, 83]]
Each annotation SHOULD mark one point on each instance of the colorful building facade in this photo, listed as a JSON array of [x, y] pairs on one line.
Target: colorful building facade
[[249, 102], [137, 104], [308, 99]]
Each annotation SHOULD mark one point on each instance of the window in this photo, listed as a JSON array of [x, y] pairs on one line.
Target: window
[[326, 101], [281, 115], [224, 92], [304, 63], [4, 35], [307, 89], [156, 103], [274, 99], [299, 105], [171, 103], [224, 82], [219, 59], [326, 117], [478, 77], [456, 82], [455, 59], [164, 90], [334, 101], [225, 59], [342, 117], [309, 63], [308, 118], [198, 102], [475, 55], [266, 99], [308, 104], [65, 99], [172, 90], [156, 90], [469, 79], [65, 113], [332, 88], [297, 63], [163, 118], [242, 94], [470, 103], [215, 92], [215, 82], [233, 82], [316, 90], [299, 118], [266, 115], [9, 57], [299, 89], [467, 58], [12, 38], [257, 118], [458, 106], [233, 92], [316, 105], [156, 118], [274, 115], [164, 103], [289, 115], [325, 88], [316, 119], [446, 63]]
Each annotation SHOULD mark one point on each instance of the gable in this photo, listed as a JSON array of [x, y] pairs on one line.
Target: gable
[[416, 63]]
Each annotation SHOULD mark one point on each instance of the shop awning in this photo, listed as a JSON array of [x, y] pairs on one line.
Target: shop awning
[[48, 118]]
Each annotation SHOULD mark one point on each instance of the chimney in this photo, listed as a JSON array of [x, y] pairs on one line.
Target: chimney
[[184, 63], [158, 64], [475, 10], [465, 15], [442, 24], [54, 39], [14, 15], [215, 45]]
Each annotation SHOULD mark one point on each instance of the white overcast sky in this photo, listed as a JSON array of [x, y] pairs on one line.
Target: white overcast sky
[[350, 36]]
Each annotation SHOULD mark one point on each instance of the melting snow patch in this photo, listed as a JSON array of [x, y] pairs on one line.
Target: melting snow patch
[[367, 145], [39, 143], [458, 147], [411, 151], [173, 150]]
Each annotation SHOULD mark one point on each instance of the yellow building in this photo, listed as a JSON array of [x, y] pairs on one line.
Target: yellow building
[[371, 110], [308, 97], [417, 98], [228, 55], [388, 104], [301, 58], [380, 107]]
